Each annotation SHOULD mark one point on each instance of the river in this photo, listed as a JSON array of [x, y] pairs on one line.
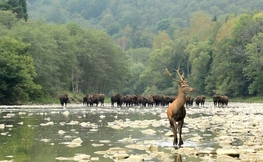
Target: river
[[47, 133]]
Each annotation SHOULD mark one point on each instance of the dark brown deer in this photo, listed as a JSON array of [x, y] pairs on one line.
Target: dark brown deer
[[176, 111]]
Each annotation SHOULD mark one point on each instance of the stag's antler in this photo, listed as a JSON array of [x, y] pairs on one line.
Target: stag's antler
[[167, 71], [178, 73]]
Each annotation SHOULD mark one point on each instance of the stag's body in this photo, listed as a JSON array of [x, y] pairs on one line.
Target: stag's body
[[176, 111]]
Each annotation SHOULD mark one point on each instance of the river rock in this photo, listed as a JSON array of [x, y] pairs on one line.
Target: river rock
[[81, 157], [148, 131], [75, 143], [169, 134], [187, 151], [229, 152], [119, 156], [135, 158], [206, 151]]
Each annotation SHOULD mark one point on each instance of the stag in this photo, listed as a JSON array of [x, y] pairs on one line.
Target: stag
[[176, 111]]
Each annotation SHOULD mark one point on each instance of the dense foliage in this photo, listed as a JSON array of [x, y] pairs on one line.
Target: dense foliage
[[123, 46], [41, 60], [18, 7]]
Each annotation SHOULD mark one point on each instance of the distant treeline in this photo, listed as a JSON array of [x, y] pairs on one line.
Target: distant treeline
[[218, 54], [40, 60]]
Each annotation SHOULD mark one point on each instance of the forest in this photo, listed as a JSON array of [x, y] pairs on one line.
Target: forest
[[124, 46]]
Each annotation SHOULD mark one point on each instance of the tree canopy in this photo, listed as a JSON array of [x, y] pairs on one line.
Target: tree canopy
[[124, 47], [19, 7]]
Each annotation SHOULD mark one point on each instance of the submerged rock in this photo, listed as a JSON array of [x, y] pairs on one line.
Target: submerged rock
[[75, 143], [2, 126]]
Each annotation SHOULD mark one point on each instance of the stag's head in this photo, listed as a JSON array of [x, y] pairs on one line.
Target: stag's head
[[182, 83]]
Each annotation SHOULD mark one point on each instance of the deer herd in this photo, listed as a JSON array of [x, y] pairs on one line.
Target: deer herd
[[176, 110]]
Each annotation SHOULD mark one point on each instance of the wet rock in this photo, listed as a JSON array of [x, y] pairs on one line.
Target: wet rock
[[65, 113], [136, 146], [47, 124], [93, 130], [229, 152], [206, 151], [151, 148], [2, 126], [117, 127], [9, 115], [226, 158], [104, 141], [21, 113], [85, 124], [102, 116], [148, 131], [64, 158], [246, 150], [75, 143], [169, 134], [116, 153], [101, 152], [94, 158], [67, 137], [81, 157], [72, 123], [120, 156], [61, 132], [62, 123], [20, 123], [47, 119], [45, 140], [97, 145], [163, 115], [187, 151], [128, 140], [197, 139], [136, 158]]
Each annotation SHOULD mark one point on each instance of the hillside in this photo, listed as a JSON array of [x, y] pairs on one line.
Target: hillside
[[124, 20]]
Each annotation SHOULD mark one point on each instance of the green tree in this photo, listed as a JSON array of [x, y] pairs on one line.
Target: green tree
[[164, 24], [229, 58], [17, 72], [113, 28], [139, 55], [202, 27], [142, 39], [139, 61], [254, 68], [19, 7], [103, 63], [134, 85], [160, 40], [170, 55], [200, 54], [7, 19]]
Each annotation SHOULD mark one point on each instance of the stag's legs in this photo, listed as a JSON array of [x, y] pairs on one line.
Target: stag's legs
[[174, 127], [180, 126]]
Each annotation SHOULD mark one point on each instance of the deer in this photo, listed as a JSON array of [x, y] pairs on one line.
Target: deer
[[176, 111]]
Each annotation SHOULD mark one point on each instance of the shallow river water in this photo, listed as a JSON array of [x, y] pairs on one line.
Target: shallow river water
[[47, 133]]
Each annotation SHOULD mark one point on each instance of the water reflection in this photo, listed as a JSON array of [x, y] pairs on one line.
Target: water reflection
[[106, 134], [177, 157]]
